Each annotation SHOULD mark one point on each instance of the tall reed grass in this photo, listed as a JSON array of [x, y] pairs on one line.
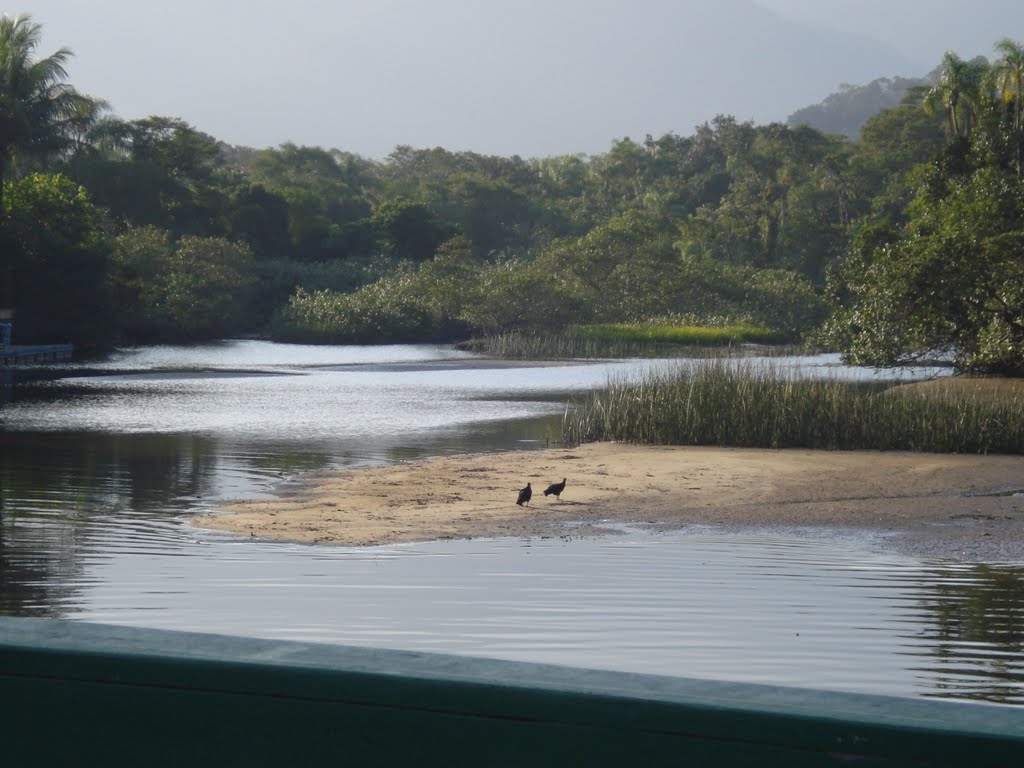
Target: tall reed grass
[[618, 341], [666, 333], [731, 403], [559, 346]]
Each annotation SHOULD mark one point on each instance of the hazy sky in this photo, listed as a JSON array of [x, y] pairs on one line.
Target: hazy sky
[[527, 77]]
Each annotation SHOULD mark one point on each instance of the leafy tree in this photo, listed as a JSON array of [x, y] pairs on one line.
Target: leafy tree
[[193, 288], [945, 276], [1008, 73], [324, 191], [619, 271], [387, 311], [409, 229], [951, 282], [55, 263], [789, 195], [517, 296], [260, 218], [205, 288], [496, 218], [957, 93], [892, 144], [156, 171], [901, 137], [40, 114]]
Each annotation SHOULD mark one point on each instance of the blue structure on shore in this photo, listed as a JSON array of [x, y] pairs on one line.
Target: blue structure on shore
[[11, 355]]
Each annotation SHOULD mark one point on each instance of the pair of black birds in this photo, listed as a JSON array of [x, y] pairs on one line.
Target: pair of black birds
[[527, 493]]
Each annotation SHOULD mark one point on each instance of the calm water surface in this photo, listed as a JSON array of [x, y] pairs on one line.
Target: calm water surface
[[102, 466]]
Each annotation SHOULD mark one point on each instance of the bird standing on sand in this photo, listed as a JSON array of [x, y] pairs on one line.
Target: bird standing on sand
[[556, 488], [525, 495]]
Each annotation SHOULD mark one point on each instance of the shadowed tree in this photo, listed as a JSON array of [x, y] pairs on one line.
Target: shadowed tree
[[155, 171], [40, 114]]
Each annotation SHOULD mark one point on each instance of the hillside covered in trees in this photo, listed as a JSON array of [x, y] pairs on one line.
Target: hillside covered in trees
[[846, 111], [906, 242]]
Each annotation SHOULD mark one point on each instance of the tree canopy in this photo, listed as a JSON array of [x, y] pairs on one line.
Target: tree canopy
[[948, 280], [40, 113], [905, 242]]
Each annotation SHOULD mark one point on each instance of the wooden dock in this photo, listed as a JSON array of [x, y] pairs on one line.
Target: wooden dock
[[73, 693]]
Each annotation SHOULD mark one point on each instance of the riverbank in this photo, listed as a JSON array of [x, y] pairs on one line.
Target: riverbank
[[943, 505]]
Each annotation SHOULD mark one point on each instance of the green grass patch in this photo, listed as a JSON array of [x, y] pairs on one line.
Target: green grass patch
[[689, 335], [731, 403]]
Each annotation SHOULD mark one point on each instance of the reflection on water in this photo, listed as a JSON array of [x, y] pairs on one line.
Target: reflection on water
[[100, 466], [972, 622], [811, 612]]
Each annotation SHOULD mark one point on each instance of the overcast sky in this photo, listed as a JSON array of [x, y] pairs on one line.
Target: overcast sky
[[527, 77]]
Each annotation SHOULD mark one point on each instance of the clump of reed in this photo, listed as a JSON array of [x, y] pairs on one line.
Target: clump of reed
[[730, 403], [619, 340], [516, 345], [667, 333]]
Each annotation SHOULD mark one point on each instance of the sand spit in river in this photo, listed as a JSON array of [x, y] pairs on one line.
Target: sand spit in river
[[969, 507]]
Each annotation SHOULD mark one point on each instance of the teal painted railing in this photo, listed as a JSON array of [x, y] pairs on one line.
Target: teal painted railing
[[77, 694]]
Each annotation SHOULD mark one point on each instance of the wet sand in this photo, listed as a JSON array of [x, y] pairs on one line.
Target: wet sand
[[966, 507]]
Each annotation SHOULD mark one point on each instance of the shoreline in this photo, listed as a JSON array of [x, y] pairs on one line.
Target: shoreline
[[938, 505]]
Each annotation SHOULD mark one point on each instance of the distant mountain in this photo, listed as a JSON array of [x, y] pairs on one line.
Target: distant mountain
[[846, 111]]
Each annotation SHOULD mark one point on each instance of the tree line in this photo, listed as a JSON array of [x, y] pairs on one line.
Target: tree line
[[904, 242]]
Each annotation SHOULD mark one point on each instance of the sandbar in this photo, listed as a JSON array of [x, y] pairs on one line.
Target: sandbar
[[945, 505]]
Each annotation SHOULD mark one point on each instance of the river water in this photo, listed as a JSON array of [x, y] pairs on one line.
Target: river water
[[102, 466]]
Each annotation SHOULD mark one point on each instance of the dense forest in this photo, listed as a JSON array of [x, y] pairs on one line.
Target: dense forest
[[907, 242]]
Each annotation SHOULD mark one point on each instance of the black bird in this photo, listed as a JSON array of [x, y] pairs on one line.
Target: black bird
[[556, 488], [525, 495]]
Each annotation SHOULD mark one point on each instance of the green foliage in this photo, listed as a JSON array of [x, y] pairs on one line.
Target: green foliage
[[781, 300], [54, 266], [324, 190], [40, 114], [948, 281], [184, 290], [409, 229], [495, 217], [892, 145], [913, 233], [155, 171], [733, 404], [957, 93], [784, 301], [277, 279], [952, 282], [621, 270], [384, 312], [791, 195], [425, 303], [260, 218], [520, 296]]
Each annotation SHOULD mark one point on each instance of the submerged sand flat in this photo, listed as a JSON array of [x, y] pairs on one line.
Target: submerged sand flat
[[946, 505]]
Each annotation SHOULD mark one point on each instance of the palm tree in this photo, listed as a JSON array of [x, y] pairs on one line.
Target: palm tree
[[1009, 82], [40, 114], [956, 92]]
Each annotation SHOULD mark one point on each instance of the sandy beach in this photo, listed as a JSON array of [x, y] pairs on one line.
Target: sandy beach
[[967, 507]]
